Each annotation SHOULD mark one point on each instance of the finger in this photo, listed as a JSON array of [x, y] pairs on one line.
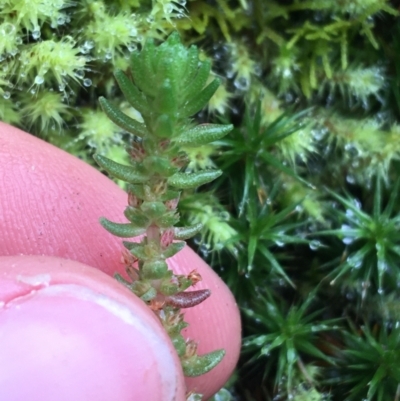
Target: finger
[[51, 203], [70, 332]]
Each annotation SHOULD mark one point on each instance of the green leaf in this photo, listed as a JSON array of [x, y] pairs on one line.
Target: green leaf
[[149, 295], [187, 232], [137, 217], [122, 120], [197, 84], [275, 162], [166, 100], [201, 364], [169, 195], [153, 210], [167, 220], [202, 134], [192, 62], [193, 180], [123, 230], [142, 69], [173, 249], [198, 101], [154, 270], [159, 165], [136, 249], [275, 265], [164, 126], [132, 94], [120, 171]]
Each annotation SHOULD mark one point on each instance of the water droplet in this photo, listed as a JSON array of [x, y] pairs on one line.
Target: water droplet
[[18, 40], [350, 179], [61, 20], [33, 91], [382, 266], [346, 240], [279, 243], [87, 82], [351, 149], [108, 55], [204, 249], [181, 2], [224, 215], [257, 70], [299, 208], [314, 244], [241, 83], [355, 261], [36, 33], [80, 73], [7, 29], [230, 73], [6, 95], [319, 134], [132, 47], [168, 8], [61, 87], [89, 44], [133, 31], [39, 80]]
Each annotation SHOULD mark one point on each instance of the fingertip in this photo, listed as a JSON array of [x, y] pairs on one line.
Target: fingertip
[[68, 332]]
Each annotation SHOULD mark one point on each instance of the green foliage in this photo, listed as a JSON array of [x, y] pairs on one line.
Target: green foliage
[[373, 242], [369, 364], [290, 334], [167, 86], [312, 88], [262, 229]]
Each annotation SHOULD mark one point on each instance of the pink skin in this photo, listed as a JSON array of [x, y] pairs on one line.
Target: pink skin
[[51, 204], [70, 332]]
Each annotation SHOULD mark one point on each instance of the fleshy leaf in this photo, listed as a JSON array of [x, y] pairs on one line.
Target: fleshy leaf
[[154, 210], [121, 119], [154, 270], [136, 249], [132, 94], [149, 295], [191, 66], [203, 134], [120, 171], [200, 364], [137, 217], [168, 219], [187, 232], [188, 299], [166, 101], [197, 84], [174, 248], [142, 75], [193, 180], [123, 230], [200, 99]]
